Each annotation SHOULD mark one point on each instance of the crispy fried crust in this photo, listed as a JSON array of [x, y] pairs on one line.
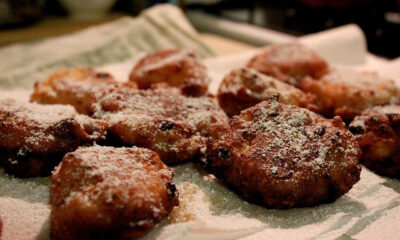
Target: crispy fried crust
[[76, 86], [110, 193], [173, 67], [347, 93], [34, 138], [377, 131], [283, 156], [289, 62], [243, 88], [162, 120]]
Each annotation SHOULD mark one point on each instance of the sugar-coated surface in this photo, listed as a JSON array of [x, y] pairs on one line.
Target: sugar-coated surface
[[107, 191], [244, 87], [370, 210], [172, 67], [289, 62], [346, 92], [41, 128], [173, 125], [283, 156]]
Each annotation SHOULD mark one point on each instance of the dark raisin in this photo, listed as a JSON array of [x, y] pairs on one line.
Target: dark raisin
[[320, 131], [277, 159], [102, 75], [327, 175], [374, 119], [171, 190], [335, 140], [165, 126], [223, 153], [356, 130], [383, 129]]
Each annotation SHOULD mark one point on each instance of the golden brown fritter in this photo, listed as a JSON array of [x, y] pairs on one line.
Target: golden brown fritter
[[244, 87], [289, 62], [378, 133], [110, 193], [283, 156], [347, 93], [162, 120], [173, 67], [34, 138], [76, 86]]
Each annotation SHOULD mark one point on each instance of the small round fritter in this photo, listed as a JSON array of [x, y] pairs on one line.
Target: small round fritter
[[162, 120], [347, 93], [378, 134], [289, 62], [173, 67], [245, 87], [283, 156], [110, 193], [76, 86], [34, 138]]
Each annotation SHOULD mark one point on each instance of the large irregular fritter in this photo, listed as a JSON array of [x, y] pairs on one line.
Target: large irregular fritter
[[289, 62], [34, 138], [244, 87], [346, 93], [378, 133], [110, 193], [162, 120], [76, 86], [283, 156], [173, 67]]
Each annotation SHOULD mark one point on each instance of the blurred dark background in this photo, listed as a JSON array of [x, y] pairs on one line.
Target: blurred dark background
[[380, 20]]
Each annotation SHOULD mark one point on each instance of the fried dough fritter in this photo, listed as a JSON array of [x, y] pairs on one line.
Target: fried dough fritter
[[162, 120], [289, 62], [76, 86], [34, 138], [110, 193], [244, 87], [172, 67], [378, 133], [283, 156], [347, 93]]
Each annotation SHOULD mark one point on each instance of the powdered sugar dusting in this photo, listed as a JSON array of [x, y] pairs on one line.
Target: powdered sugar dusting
[[360, 121], [291, 132], [173, 125], [359, 80], [144, 105], [41, 115], [115, 168], [261, 85], [41, 126], [173, 58]]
